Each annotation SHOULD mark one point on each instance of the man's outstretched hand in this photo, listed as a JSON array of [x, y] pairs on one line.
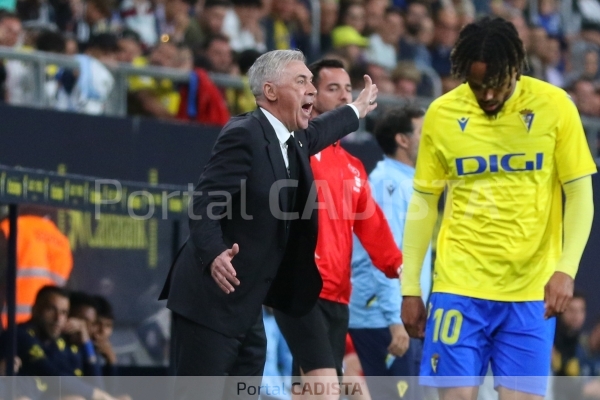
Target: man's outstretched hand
[[222, 270], [367, 99], [414, 316]]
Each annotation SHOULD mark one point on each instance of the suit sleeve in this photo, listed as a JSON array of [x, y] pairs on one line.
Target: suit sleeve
[[330, 127], [228, 167], [374, 234]]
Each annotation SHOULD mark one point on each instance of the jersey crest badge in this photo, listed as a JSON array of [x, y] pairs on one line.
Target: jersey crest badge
[[390, 188], [463, 123], [434, 362], [527, 118]]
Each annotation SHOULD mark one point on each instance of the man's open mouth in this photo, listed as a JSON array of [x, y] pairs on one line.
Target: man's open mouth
[[307, 107]]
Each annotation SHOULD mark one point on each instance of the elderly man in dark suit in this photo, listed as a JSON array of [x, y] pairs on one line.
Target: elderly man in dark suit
[[253, 228]]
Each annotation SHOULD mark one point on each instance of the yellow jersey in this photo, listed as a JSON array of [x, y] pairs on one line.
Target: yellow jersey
[[501, 235]]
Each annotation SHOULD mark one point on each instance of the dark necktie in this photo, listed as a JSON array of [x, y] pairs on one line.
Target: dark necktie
[[292, 158]]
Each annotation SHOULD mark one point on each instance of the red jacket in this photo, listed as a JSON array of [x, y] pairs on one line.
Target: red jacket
[[346, 205], [201, 101]]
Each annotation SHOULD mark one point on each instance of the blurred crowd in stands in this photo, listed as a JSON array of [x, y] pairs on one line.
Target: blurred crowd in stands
[[404, 45]]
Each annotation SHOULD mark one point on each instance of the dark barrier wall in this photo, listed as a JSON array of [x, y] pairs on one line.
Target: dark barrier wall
[[119, 148], [128, 259]]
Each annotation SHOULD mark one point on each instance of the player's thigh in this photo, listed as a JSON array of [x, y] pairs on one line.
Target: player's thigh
[[371, 346], [522, 347], [308, 340], [456, 350], [336, 316]]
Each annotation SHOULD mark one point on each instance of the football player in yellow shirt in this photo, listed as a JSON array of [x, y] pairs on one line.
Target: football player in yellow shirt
[[504, 148]]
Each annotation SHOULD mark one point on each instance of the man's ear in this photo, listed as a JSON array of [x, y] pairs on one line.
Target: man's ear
[[270, 91], [401, 140]]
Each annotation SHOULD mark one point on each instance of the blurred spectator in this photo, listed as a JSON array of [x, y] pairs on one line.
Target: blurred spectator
[[567, 347], [101, 337], [588, 71], [416, 13], [446, 33], [329, 16], [18, 85], [375, 12], [353, 13], [95, 20], [242, 26], [209, 21], [138, 15], [218, 53], [536, 51], [586, 99], [174, 21], [288, 26], [567, 352], [383, 45], [352, 45], [200, 100], [548, 17], [381, 77], [71, 45], [591, 70], [406, 78], [448, 83], [130, 47], [43, 258], [411, 48], [52, 42], [591, 349], [465, 9], [81, 327], [552, 60], [94, 82], [426, 33], [156, 97], [590, 365], [10, 29], [44, 352], [242, 101]]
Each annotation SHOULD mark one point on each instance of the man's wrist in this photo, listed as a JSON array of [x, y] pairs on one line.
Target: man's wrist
[[355, 110]]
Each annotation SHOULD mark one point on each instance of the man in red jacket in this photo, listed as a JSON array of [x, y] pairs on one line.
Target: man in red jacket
[[317, 340]]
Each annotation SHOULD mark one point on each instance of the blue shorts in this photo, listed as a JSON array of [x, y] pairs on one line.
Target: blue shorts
[[464, 334]]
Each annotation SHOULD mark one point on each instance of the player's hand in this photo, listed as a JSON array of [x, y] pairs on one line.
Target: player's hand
[[367, 99], [104, 347], [414, 316], [557, 294], [400, 340], [222, 270], [78, 328]]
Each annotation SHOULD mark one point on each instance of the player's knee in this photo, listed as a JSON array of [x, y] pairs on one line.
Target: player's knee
[[460, 393]]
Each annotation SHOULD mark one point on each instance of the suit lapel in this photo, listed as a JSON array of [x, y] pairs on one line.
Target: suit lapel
[[275, 156]]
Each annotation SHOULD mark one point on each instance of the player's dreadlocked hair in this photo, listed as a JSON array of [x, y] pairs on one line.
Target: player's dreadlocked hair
[[493, 41]]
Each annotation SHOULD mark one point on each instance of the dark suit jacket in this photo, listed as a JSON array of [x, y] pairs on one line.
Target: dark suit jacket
[[276, 263]]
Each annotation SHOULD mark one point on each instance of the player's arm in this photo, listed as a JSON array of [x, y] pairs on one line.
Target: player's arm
[[421, 217], [577, 223], [574, 165], [375, 235]]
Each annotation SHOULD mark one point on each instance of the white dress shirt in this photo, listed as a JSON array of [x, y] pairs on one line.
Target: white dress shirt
[[283, 134]]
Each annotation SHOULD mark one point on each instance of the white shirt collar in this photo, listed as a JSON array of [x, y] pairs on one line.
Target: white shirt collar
[[280, 130]]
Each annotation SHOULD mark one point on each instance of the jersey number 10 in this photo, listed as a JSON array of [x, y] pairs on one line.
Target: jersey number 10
[[447, 326]]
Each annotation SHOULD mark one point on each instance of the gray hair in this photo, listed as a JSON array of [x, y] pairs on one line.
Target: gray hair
[[269, 67]]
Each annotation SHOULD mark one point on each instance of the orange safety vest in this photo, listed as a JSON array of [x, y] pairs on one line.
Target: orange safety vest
[[43, 258]]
